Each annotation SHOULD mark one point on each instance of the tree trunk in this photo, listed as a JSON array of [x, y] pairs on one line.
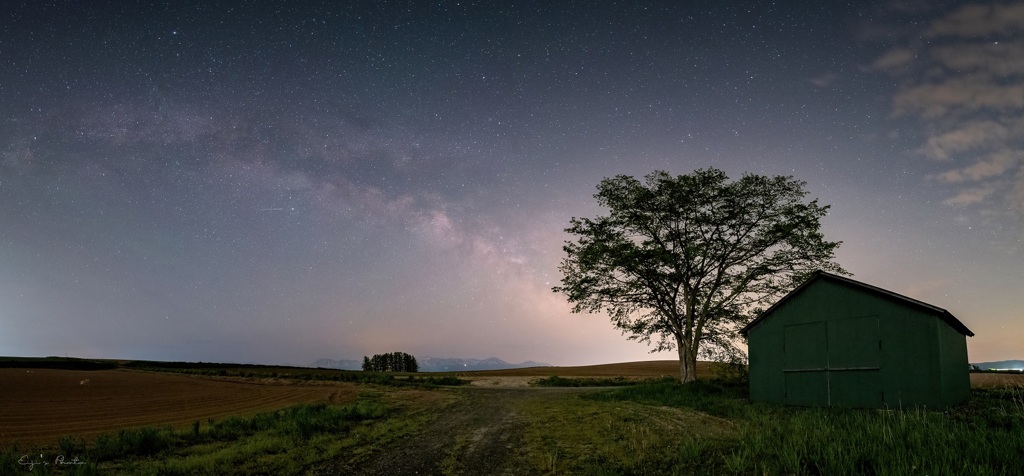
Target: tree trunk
[[687, 363]]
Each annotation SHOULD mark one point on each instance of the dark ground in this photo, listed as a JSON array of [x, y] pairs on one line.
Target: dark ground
[[482, 433]]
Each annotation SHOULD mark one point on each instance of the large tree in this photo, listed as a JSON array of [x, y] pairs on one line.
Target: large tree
[[690, 259]]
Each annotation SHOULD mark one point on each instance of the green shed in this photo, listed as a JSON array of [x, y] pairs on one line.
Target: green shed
[[838, 342]]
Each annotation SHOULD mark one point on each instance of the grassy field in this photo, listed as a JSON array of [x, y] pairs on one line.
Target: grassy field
[[134, 422], [711, 428]]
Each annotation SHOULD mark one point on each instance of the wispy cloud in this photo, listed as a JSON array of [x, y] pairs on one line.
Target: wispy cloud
[[824, 81], [970, 196], [893, 59], [967, 137], [992, 165], [974, 21], [962, 76]]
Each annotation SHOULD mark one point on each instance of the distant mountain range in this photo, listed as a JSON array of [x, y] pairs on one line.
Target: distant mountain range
[[1002, 365], [342, 364], [434, 364]]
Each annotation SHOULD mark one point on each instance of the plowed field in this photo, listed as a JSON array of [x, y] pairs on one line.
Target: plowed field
[[43, 404], [997, 380]]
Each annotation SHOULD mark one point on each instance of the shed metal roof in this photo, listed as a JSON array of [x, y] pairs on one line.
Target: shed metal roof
[[883, 293]]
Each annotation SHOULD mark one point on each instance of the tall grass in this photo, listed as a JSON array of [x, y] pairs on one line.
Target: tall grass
[[982, 436]]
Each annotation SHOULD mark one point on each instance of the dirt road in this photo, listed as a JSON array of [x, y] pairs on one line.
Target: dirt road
[[481, 433]]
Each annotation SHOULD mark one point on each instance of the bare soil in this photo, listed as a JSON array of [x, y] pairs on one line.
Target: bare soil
[[997, 380], [40, 405]]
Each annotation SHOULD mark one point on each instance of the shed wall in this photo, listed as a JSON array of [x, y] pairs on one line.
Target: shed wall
[[877, 352], [910, 352], [956, 378]]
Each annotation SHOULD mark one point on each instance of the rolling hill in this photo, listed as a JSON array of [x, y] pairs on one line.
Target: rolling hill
[[1001, 365]]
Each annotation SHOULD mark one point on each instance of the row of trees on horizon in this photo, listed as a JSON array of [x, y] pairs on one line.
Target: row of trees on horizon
[[390, 362]]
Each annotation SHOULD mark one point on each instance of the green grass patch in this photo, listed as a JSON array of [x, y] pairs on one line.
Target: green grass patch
[[718, 397], [581, 434], [982, 436], [826, 441], [710, 427]]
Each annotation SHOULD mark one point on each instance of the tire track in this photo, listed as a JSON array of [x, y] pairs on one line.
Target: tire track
[[482, 433]]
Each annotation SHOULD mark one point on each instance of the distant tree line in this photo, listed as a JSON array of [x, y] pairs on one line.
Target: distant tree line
[[390, 362]]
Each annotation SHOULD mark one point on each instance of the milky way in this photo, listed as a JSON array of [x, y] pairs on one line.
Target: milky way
[[279, 182]]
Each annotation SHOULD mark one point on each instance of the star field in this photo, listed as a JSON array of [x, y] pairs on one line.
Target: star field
[[278, 182]]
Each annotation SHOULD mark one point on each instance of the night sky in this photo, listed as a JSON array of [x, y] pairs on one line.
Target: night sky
[[278, 182]]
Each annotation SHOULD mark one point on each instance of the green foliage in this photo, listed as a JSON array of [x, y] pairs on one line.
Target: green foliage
[[69, 446], [689, 259], [145, 441], [9, 460], [390, 362], [735, 372], [308, 420]]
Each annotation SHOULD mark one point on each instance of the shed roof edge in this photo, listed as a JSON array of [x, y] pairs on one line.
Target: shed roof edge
[[943, 314]]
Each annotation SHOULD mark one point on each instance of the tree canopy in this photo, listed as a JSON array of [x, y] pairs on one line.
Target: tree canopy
[[690, 259]]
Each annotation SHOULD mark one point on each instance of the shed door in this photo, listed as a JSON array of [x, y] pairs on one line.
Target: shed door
[[854, 352], [806, 366], [834, 363]]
